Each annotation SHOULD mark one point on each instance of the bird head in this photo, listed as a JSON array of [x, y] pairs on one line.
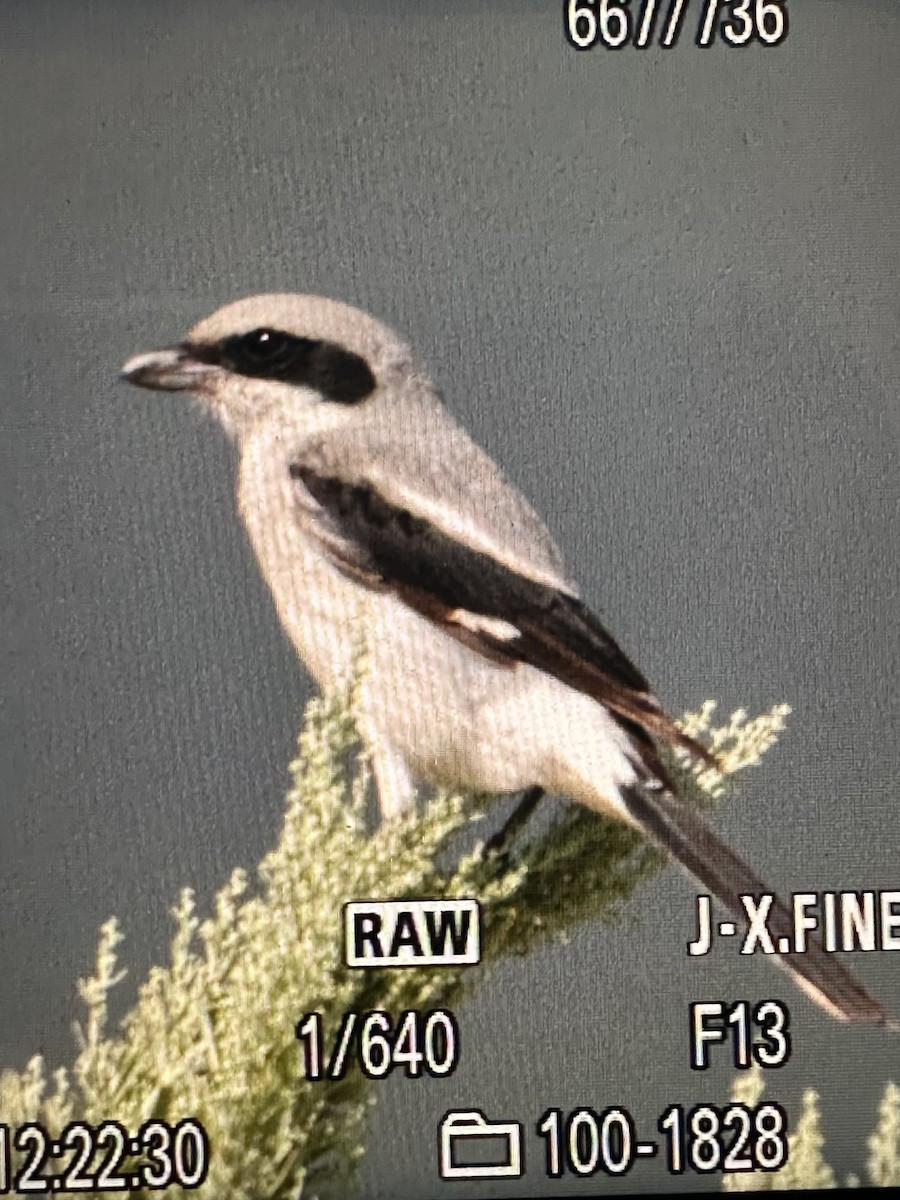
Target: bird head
[[287, 356]]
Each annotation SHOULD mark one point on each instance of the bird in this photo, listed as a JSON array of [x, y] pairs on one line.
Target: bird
[[376, 520]]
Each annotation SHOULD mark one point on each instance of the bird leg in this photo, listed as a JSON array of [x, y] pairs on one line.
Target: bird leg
[[518, 818]]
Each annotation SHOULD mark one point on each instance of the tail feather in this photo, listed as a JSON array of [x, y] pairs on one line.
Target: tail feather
[[677, 828]]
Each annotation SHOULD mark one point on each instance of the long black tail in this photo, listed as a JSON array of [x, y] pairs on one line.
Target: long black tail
[[677, 828]]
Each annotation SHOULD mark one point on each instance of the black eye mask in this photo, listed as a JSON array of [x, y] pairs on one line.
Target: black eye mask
[[337, 374]]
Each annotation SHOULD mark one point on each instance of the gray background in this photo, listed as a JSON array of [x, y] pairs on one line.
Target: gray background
[[660, 287]]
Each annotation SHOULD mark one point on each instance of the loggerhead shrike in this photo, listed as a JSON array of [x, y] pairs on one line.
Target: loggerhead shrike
[[370, 509]]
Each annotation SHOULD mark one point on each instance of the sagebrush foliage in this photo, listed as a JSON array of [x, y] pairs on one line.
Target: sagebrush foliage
[[806, 1166], [212, 1034]]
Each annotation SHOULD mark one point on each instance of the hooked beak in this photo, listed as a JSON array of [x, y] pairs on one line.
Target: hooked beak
[[174, 369]]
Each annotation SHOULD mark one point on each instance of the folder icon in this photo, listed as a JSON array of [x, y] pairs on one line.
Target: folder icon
[[469, 1135]]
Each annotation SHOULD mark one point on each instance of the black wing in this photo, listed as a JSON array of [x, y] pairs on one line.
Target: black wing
[[513, 619], [475, 598]]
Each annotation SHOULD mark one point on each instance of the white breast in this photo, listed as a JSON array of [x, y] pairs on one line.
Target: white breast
[[317, 606]]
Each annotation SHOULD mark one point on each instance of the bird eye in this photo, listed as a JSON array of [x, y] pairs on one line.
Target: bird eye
[[262, 345], [265, 353]]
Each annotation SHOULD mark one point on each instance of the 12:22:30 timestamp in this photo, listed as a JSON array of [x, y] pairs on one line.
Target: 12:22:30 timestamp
[[102, 1158]]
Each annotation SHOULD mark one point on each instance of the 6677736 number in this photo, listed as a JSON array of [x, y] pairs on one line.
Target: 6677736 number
[[615, 24]]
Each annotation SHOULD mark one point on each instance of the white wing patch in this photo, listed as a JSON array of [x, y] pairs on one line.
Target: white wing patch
[[494, 627]]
